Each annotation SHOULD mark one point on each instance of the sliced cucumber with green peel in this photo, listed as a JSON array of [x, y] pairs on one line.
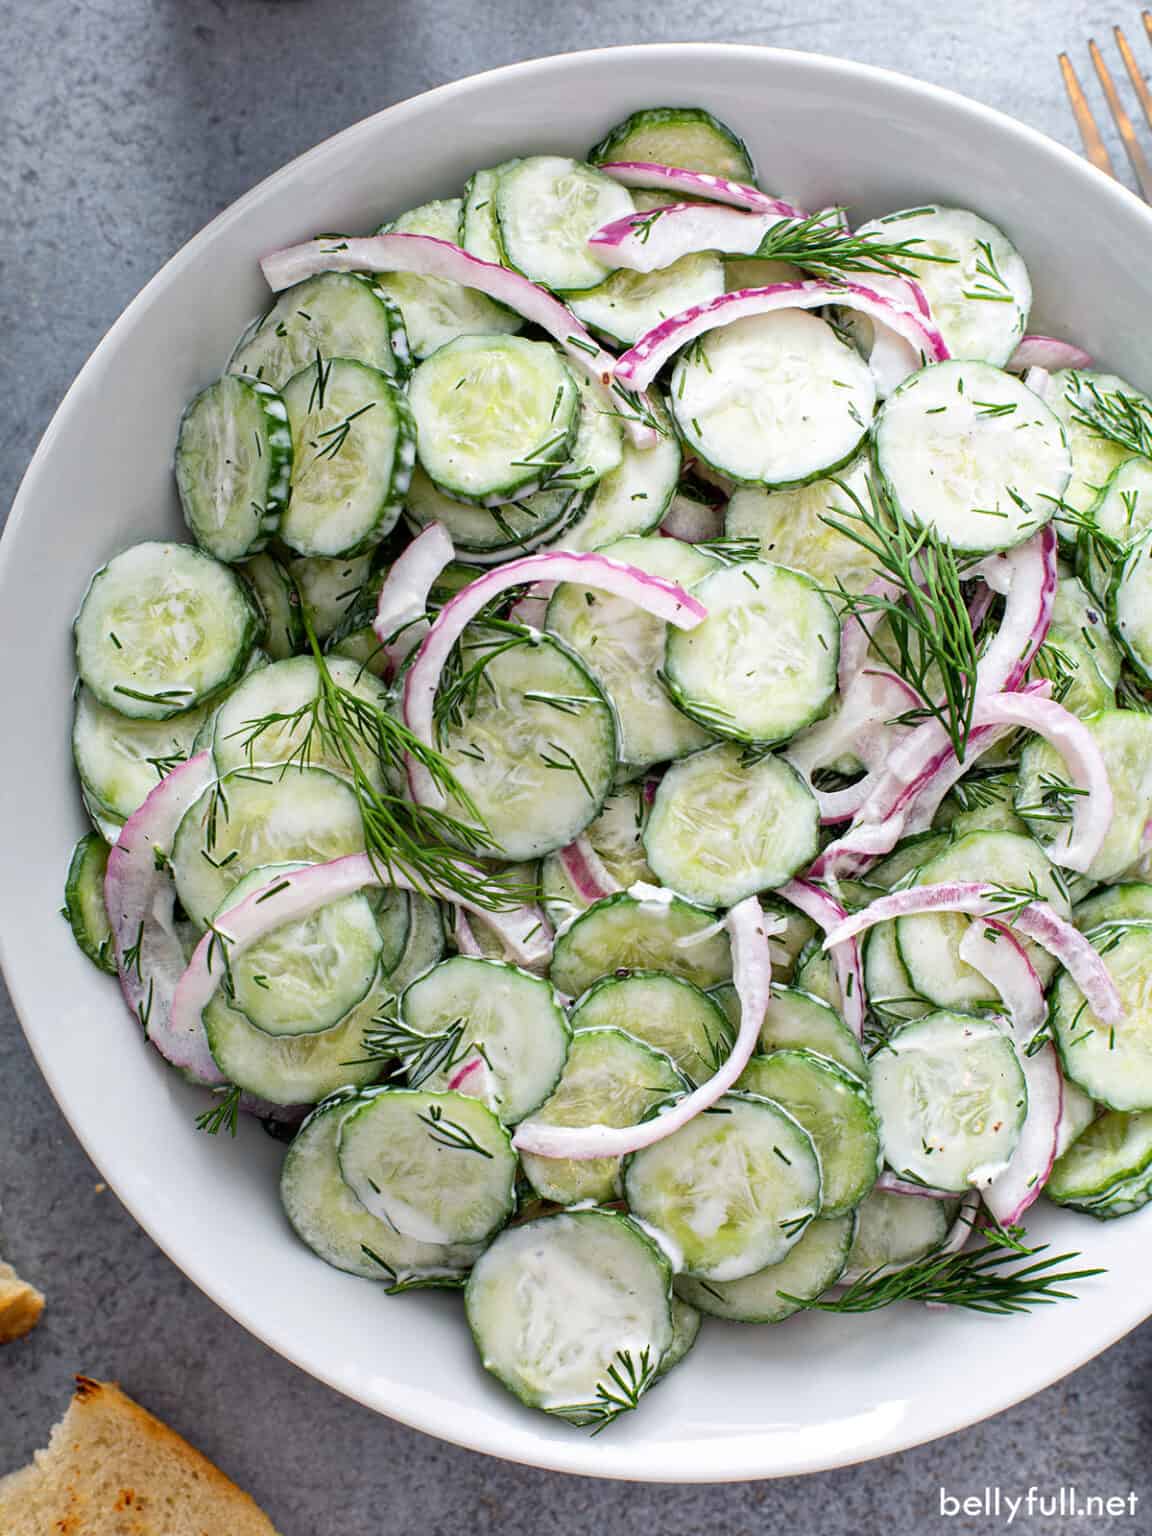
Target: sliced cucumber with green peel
[[794, 930], [1084, 660], [623, 648], [120, 760], [1114, 904], [252, 818], [893, 1231], [305, 976], [479, 230], [1008, 463], [732, 1191], [762, 665], [336, 314], [816, 973], [279, 603], [667, 1012], [1111, 1062], [728, 822], [834, 1107], [790, 527], [496, 416], [1122, 512], [423, 946], [293, 1069], [547, 207], [162, 629], [534, 746], [436, 311], [328, 1217], [891, 994], [1124, 737], [392, 914], [951, 1099], [234, 466], [354, 445], [629, 304], [686, 1322], [795, 1018], [593, 1307], [1107, 1171], [330, 590], [630, 500], [623, 933], [1129, 597], [610, 1078], [683, 136], [775, 399], [772, 1294], [615, 837], [1094, 458], [436, 1166], [364, 648], [599, 445], [510, 1019], [84, 901], [507, 530], [986, 803]]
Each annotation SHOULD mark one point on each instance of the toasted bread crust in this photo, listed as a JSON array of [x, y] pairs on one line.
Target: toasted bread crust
[[20, 1305]]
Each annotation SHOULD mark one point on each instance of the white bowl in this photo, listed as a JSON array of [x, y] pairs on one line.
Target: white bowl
[[751, 1402]]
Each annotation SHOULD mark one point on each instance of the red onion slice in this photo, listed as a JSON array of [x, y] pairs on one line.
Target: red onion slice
[[717, 189], [141, 900], [890, 1183], [637, 367], [1035, 921], [861, 727], [752, 975], [401, 610], [856, 633], [426, 256], [1047, 353], [827, 913], [991, 948], [661, 598], [465, 939], [1026, 577], [585, 869], [648, 242]]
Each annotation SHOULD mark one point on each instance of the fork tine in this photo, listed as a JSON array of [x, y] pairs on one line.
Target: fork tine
[[1147, 19], [1082, 112], [1139, 84], [1139, 164]]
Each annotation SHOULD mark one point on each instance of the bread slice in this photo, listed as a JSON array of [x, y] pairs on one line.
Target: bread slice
[[111, 1469], [20, 1305]]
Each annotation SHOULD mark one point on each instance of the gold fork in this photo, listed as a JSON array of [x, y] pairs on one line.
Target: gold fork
[[1093, 144]]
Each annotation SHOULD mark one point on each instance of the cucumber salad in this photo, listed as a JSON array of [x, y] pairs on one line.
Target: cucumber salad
[[642, 773]]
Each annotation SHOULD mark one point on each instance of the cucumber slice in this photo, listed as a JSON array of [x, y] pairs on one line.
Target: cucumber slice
[[610, 1078], [623, 648], [507, 530], [1114, 904], [929, 943], [733, 1190], [479, 231], [816, 1262], [437, 311], [328, 1217], [1128, 605], [1122, 511], [336, 314], [247, 820], [496, 416], [592, 1307], [511, 1019], [424, 944], [272, 718], [1094, 458], [1007, 460], [293, 1069], [630, 500], [353, 446], [392, 913], [234, 466], [1078, 620], [84, 901], [120, 760], [1124, 736], [893, 1231], [304, 977], [834, 1108], [908, 857], [685, 1331], [762, 665], [1107, 1172], [623, 933], [435, 1166], [951, 1099], [278, 601], [1112, 1063], [795, 1018], [615, 837], [664, 1011], [979, 293], [599, 445], [790, 527], [1078, 1113], [891, 995], [796, 929], [330, 590], [629, 304], [687, 137], [815, 973], [362, 647], [547, 206], [163, 628], [727, 823], [534, 746], [775, 399]]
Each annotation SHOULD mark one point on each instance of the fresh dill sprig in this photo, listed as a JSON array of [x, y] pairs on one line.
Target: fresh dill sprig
[[1113, 414], [629, 1377], [822, 244], [460, 684], [932, 643], [224, 1115], [450, 1133], [1058, 666], [979, 1281]]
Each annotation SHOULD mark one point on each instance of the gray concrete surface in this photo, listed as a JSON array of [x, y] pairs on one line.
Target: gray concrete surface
[[125, 125]]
